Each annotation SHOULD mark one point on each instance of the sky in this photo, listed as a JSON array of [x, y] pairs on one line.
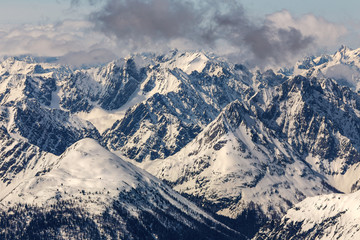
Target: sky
[[337, 11], [260, 32]]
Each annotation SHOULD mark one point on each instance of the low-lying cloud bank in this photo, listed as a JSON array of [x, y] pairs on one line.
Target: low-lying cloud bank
[[74, 42]]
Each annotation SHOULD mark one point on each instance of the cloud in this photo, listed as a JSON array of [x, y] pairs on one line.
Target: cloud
[[267, 43], [88, 58], [277, 44], [70, 39], [75, 3], [324, 33], [142, 21], [159, 24]]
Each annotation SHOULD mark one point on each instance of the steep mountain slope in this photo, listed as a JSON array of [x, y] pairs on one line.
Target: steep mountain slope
[[111, 197], [26, 107], [334, 216], [17, 158], [319, 119], [153, 105], [236, 163], [183, 93], [283, 144], [41, 110], [107, 87]]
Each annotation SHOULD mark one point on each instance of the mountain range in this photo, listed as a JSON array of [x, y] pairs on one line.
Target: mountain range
[[177, 146]]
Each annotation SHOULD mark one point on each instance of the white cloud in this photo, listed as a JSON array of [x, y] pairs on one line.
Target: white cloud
[[69, 38], [325, 33]]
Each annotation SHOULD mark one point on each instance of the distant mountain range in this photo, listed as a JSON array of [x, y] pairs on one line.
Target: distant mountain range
[[237, 149]]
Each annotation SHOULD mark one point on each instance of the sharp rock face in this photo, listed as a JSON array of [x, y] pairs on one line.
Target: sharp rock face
[[183, 94], [17, 158], [108, 87], [271, 150], [319, 119], [27, 112], [235, 163]]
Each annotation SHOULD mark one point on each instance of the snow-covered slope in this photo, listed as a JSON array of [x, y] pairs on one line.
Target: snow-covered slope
[[235, 163], [319, 119], [180, 100], [182, 92], [178, 94], [17, 158], [161, 103], [101, 184], [27, 109], [334, 216], [283, 144]]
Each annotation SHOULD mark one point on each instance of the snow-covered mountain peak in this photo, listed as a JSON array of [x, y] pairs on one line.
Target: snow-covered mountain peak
[[343, 66], [234, 114], [347, 56], [29, 66], [276, 143], [98, 182], [189, 62], [85, 168], [343, 51], [333, 216]]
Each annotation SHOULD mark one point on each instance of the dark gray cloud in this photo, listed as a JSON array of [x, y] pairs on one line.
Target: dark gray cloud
[[278, 44], [138, 20], [219, 26], [266, 41], [140, 23], [168, 19]]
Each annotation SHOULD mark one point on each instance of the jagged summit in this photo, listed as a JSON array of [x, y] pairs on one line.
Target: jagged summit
[[173, 103], [343, 48], [343, 66]]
